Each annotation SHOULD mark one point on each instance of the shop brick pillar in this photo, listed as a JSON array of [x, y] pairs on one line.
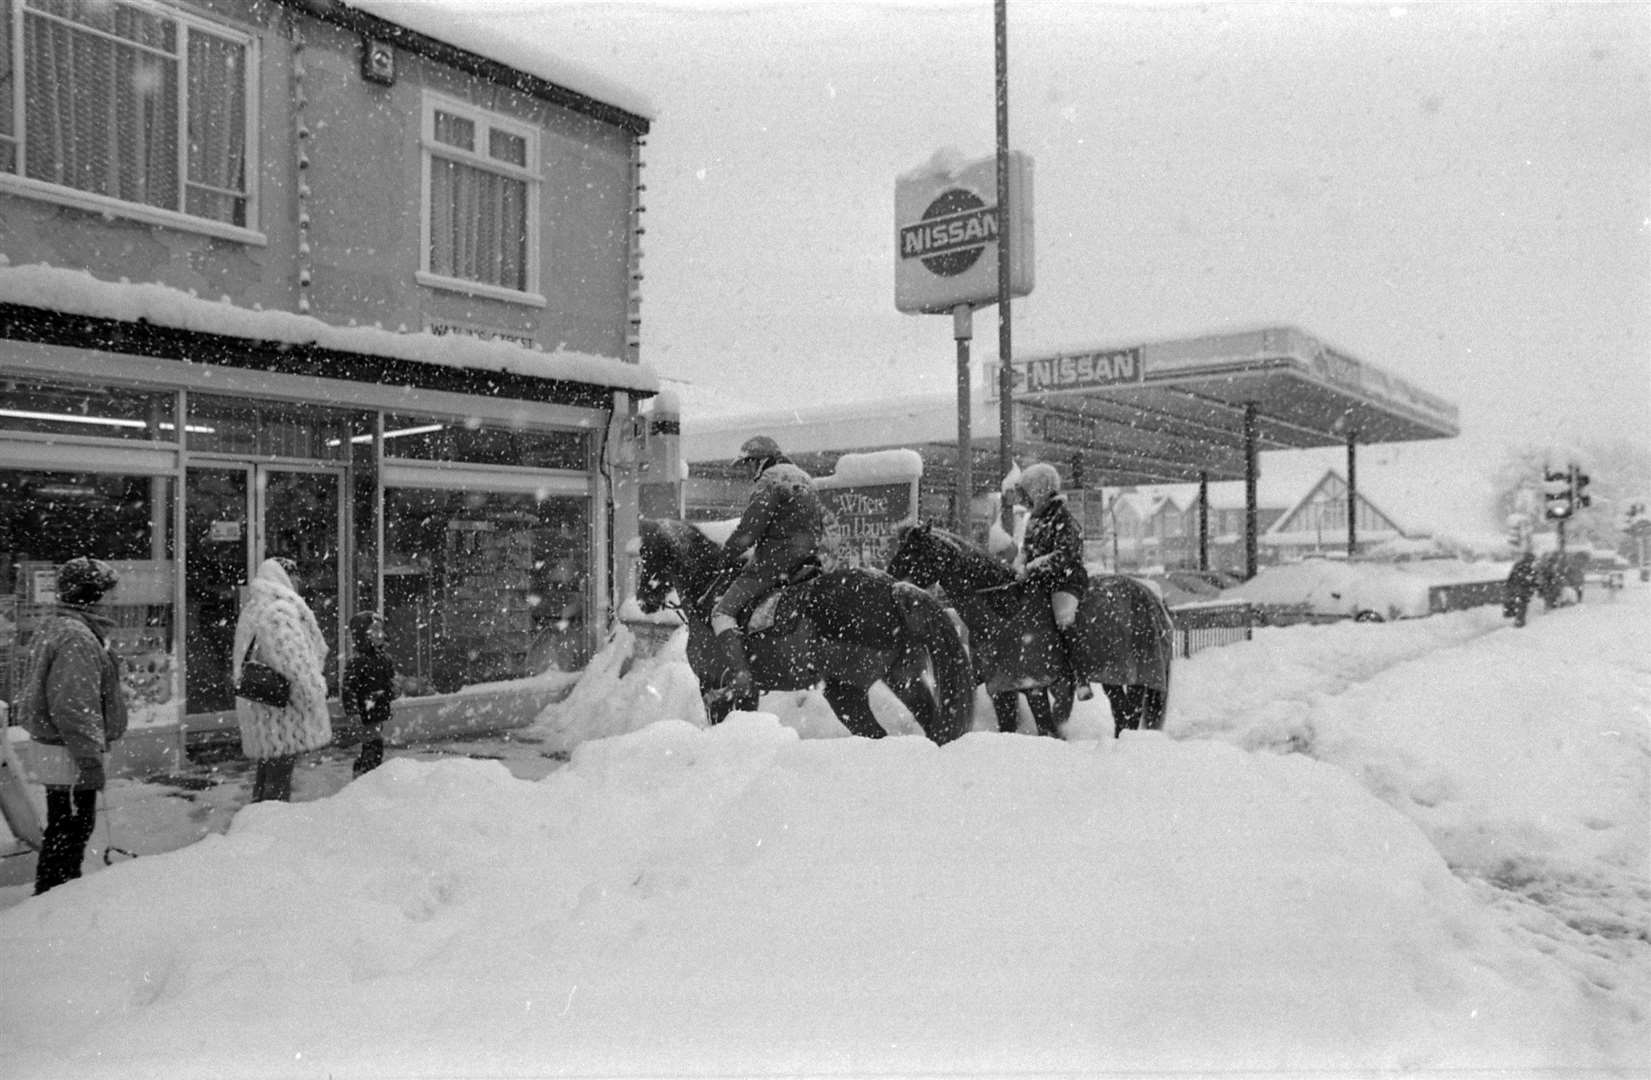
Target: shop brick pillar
[[660, 471]]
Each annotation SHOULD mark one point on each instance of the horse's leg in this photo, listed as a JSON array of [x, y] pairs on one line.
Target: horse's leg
[[717, 707], [1037, 699], [1118, 698], [1152, 708], [915, 695], [1060, 697], [853, 708], [1006, 706]]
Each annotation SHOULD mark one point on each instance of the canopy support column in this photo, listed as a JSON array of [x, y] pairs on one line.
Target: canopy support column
[[1203, 521], [1352, 493], [1250, 513]]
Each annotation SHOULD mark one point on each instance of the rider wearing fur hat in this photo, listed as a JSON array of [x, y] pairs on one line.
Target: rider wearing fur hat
[[782, 527], [1054, 556]]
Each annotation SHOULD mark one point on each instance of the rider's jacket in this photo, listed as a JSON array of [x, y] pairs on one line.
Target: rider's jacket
[[783, 521], [1054, 549]]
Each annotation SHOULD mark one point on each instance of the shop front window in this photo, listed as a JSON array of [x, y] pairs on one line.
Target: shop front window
[[425, 438], [484, 586], [226, 425], [48, 518], [40, 407]]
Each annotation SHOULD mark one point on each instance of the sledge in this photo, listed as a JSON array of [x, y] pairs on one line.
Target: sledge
[[15, 804]]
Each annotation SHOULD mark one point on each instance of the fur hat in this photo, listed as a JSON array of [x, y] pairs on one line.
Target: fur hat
[[1040, 481]]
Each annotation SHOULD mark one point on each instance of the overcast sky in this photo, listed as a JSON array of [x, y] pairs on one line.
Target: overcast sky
[[1457, 193]]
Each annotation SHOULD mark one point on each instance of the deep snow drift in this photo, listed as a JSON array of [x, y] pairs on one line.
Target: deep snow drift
[[1407, 846]]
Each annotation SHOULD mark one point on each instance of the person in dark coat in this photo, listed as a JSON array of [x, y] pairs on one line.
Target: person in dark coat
[[1550, 581], [369, 687], [1519, 588], [72, 697], [1053, 553], [783, 526]]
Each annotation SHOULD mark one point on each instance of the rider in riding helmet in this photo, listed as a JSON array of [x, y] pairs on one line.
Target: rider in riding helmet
[[782, 526], [1054, 557]]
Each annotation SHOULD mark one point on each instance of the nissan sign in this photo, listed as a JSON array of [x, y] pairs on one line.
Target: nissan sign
[[947, 230]]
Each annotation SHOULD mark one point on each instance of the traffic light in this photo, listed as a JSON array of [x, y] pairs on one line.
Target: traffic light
[[1580, 499], [1557, 487]]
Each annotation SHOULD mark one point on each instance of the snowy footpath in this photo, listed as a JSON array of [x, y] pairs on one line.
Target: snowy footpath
[[1412, 847]]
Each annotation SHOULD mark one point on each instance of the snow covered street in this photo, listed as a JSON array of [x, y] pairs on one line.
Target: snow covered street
[[1418, 845]]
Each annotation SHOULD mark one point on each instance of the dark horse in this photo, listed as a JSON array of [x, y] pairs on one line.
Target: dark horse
[[1127, 640], [846, 627]]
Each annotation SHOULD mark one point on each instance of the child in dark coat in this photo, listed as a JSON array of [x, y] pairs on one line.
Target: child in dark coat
[[369, 687]]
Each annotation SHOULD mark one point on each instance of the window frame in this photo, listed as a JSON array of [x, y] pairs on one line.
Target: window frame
[[15, 11], [532, 174]]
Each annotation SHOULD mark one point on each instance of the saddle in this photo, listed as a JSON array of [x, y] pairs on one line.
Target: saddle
[[781, 607]]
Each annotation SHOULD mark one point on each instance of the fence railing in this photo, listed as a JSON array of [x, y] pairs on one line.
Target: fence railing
[[1202, 626], [1460, 597]]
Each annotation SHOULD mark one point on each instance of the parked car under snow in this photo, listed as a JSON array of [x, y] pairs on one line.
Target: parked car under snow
[[1324, 590]]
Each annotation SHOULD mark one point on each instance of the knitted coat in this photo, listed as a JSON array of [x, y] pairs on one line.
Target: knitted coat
[[1054, 549], [283, 633], [71, 695]]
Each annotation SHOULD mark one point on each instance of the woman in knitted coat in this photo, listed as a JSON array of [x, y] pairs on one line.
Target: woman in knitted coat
[[280, 629]]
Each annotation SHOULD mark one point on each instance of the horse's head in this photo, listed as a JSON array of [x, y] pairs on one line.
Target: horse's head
[[675, 556], [917, 556], [655, 572]]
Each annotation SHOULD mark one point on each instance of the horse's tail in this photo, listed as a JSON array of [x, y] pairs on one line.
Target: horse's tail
[[954, 682]]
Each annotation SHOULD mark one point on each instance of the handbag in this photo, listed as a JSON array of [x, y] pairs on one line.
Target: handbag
[[262, 683]]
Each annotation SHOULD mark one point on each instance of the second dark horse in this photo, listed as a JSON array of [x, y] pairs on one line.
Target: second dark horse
[[1125, 635], [847, 628]]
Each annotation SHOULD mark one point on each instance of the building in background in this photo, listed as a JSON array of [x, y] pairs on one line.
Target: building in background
[[339, 281]]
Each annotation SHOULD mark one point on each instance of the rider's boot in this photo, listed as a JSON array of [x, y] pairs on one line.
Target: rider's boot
[[1073, 652], [740, 682]]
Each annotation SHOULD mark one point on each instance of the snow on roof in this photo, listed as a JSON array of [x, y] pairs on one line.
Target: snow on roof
[[1444, 487], [77, 292], [456, 24]]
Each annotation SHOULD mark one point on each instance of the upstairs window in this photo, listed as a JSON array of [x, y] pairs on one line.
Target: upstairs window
[[129, 103], [481, 181]]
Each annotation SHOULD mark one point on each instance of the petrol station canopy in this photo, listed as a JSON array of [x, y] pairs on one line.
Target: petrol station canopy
[[1171, 411]]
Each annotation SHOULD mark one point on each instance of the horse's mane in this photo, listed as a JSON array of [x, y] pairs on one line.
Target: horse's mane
[[682, 536], [977, 563]]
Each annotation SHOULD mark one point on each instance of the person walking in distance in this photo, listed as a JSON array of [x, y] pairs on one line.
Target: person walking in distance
[[369, 687], [1521, 585], [278, 628], [71, 697], [1054, 559], [783, 526]]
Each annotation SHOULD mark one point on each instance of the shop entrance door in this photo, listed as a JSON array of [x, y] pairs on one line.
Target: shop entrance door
[[235, 516]]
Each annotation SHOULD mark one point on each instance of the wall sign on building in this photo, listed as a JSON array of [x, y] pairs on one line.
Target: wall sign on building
[[946, 233]]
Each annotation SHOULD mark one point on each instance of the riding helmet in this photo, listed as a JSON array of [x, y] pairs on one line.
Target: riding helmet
[[758, 448]]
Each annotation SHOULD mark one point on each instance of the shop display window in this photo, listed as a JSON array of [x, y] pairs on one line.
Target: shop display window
[[226, 425], [47, 408], [484, 587], [425, 438], [47, 518]]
